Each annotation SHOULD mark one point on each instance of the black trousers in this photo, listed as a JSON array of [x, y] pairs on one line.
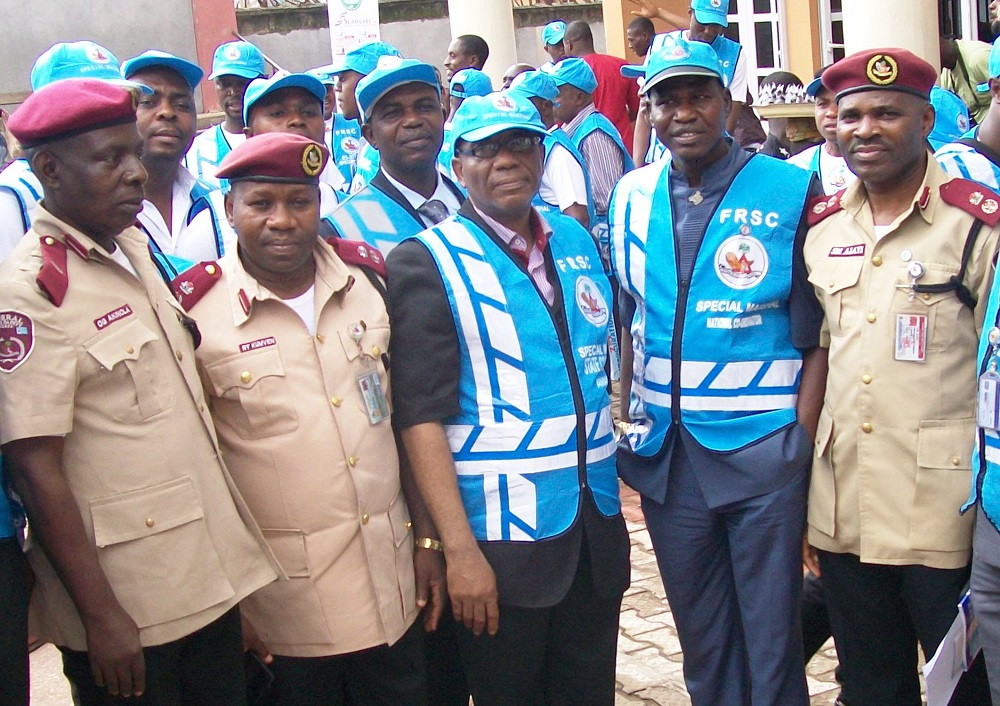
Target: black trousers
[[446, 682], [15, 584], [206, 667], [379, 676], [558, 656], [879, 614]]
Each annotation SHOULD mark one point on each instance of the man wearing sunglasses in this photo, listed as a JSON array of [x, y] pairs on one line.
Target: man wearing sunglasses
[[499, 341]]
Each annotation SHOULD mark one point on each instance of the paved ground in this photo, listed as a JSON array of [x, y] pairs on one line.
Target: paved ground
[[649, 655]]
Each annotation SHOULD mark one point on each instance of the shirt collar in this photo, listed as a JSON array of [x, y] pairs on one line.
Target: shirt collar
[[539, 226], [417, 200], [332, 276], [925, 200], [573, 125], [47, 225], [715, 173]]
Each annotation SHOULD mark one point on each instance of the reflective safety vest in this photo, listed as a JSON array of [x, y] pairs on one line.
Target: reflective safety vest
[[714, 354], [535, 421], [203, 198], [18, 179], [366, 168], [345, 142], [206, 154], [986, 454], [558, 136]]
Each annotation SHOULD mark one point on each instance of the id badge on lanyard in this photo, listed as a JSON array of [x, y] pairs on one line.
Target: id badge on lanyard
[[988, 392], [369, 382]]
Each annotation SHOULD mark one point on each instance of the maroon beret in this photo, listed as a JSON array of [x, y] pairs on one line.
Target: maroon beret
[[880, 69], [275, 156], [71, 107]]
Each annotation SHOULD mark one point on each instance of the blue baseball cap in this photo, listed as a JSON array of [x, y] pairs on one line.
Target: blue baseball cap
[[473, 82], [78, 60], [261, 87], [191, 73], [535, 84], [554, 32], [482, 117], [575, 72], [389, 73], [676, 57], [241, 59], [711, 12], [324, 75], [994, 66], [951, 118], [365, 58]]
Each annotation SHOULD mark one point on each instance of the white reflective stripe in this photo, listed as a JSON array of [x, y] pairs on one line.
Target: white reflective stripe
[[599, 453], [653, 397], [734, 376], [658, 370], [528, 466], [491, 493], [510, 435], [992, 454], [553, 432], [744, 403], [483, 277], [605, 424], [782, 373], [522, 499], [694, 372]]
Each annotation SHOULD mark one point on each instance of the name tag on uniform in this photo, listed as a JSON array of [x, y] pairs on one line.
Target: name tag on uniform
[[911, 337], [371, 392], [988, 401]]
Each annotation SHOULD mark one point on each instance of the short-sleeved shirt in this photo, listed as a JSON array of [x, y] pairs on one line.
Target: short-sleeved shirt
[[111, 370], [972, 69], [563, 181]]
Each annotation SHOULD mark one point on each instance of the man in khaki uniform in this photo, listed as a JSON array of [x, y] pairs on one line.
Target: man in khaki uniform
[[293, 361], [904, 308], [140, 545]]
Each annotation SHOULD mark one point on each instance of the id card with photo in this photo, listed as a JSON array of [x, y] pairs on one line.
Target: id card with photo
[[911, 337], [374, 396]]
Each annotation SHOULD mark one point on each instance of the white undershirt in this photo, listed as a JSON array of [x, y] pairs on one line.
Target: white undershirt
[[563, 182], [305, 306], [119, 256], [881, 231]]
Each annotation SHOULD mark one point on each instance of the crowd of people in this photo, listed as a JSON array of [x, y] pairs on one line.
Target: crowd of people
[[330, 403]]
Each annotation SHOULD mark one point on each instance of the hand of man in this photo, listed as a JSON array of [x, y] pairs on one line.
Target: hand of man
[[472, 587], [253, 643], [809, 556], [646, 9], [429, 571], [115, 653]]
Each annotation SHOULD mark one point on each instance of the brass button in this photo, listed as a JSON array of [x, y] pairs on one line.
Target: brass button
[[925, 296], [871, 317], [352, 461], [877, 261], [867, 427], [376, 351], [335, 401], [49, 240], [320, 337], [210, 269], [179, 354], [245, 376], [150, 522], [409, 525], [130, 350], [866, 378], [955, 460], [364, 519]]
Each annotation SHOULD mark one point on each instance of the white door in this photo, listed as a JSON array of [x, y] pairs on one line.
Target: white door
[[759, 26]]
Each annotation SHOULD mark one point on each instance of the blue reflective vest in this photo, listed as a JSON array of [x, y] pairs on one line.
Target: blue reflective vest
[[986, 454], [18, 179], [725, 336], [367, 166], [372, 216], [558, 136], [535, 420], [345, 141], [206, 154], [446, 153]]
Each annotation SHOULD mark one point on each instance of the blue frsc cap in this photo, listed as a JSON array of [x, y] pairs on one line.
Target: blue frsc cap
[[711, 12], [191, 73], [575, 72], [241, 59], [365, 58], [994, 66], [951, 118], [554, 32], [677, 57], [470, 82], [78, 60], [260, 87], [482, 117], [535, 84], [323, 75], [389, 73]]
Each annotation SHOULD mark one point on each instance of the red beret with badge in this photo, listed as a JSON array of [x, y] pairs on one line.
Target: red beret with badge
[[275, 157], [71, 107], [880, 70]]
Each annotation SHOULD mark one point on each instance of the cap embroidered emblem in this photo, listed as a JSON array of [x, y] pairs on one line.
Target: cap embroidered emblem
[[232, 53], [95, 54], [716, 3], [502, 102], [990, 207], [882, 70], [312, 160]]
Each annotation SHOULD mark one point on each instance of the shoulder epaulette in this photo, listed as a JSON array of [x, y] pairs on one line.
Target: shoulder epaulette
[[973, 198], [356, 252], [823, 206], [53, 279], [192, 284]]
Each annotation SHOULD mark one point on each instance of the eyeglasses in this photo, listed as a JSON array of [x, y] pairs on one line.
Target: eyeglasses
[[489, 150]]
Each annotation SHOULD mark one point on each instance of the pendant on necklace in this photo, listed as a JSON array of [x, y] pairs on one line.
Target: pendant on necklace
[[696, 198]]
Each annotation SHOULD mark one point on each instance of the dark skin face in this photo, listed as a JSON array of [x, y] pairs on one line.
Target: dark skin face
[[826, 119], [689, 115], [883, 135], [276, 226], [330, 104], [571, 100], [407, 127], [229, 89], [556, 52], [546, 109], [704, 33], [94, 181], [512, 72], [346, 83], [167, 119], [458, 58], [638, 41], [294, 110], [501, 187]]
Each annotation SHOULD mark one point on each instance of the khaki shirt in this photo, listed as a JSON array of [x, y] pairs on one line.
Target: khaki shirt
[[321, 480], [892, 462], [112, 371]]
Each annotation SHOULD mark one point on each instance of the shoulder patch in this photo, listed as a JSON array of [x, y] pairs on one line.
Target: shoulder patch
[[53, 279], [821, 207], [192, 284], [359, 253], [17, 338], [973, 198]]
